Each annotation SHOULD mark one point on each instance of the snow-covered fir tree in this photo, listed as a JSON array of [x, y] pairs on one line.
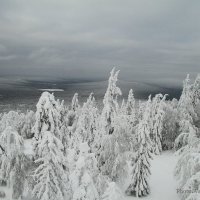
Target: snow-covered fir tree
[[186, 106], [186, 114], [170, 125], [51, 175], [29, 121], [130, 121], [64, 128], [72, 119], [47, 118], [74, 110], [139, 185], [131, 109], [141, 108], [83, 177], [13, 161], [113, 192], [130, 105], [188, 143], [14, 119], [110, 103], [75, 103], [123, 144], [157, 121], [187, 168], [87, 124], [196, 96], [52, 169], [106, 153]]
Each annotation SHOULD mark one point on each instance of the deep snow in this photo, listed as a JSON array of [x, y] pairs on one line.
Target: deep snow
[[162, 182]]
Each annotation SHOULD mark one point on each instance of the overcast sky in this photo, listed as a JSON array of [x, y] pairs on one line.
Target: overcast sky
[[148, 40]]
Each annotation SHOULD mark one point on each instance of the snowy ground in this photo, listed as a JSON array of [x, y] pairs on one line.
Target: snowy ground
[[162, 182]]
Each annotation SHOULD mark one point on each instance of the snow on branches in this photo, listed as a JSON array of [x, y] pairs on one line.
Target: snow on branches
[[139, 185], [51, 176]]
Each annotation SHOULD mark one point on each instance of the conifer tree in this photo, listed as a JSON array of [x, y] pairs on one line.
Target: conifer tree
[[83, 177], [187, 115], [87, 123], [196, 95], [110, 103], [52, 168], [157, 121], [141, 170], [186, 106], [75, 103], [14, 119], [13, 161], [130, 105], [113, 192], [28, 123], [106, 155], [170, 125], [48, 118], [73, 113], [51, 175], [131, 111]]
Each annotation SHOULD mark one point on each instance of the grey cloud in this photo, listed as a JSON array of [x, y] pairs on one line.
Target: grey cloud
[[155, 41]]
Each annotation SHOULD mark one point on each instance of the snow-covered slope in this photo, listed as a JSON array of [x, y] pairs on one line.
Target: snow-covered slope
[[162, 182]]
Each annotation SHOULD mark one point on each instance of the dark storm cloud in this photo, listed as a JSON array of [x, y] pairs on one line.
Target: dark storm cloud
[[157, 41]]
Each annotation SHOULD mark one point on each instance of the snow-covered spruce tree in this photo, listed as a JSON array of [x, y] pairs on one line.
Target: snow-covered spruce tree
[[113, 192], [186, 105], [188, 143], [196, 97], [47, 119], [87, 123], [130, 105], [74, 110], [75, 103], [130, 108], [13, 161], [123, 146], [106, 155], [72, 118], [110, 103], [141, 168], [170, 125], [141, 108], [187, 115], [83, 177], [52, 168], [28, 123], [128, 122], [120, 167], [187, 168], [116, 134], [51, 175], [64, 129], [14, 119], [157, 119]]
